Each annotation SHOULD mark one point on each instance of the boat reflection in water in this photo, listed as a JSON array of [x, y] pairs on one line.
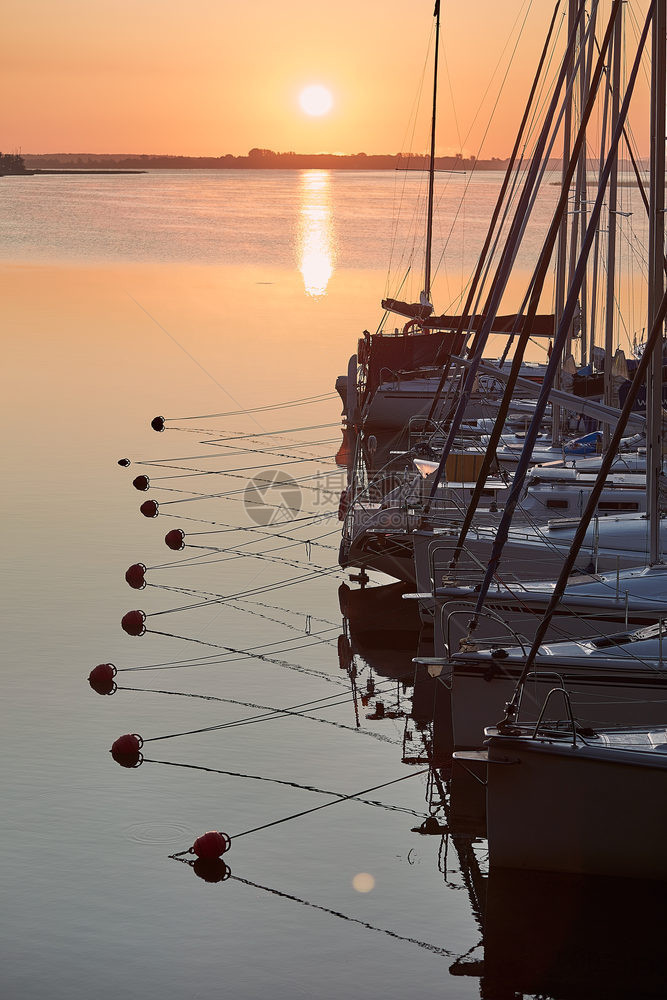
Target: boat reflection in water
[[554, 935], [316, 243], [569, 937], [383, 628]]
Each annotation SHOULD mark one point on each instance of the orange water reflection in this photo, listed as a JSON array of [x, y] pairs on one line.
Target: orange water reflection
[[316, 242]]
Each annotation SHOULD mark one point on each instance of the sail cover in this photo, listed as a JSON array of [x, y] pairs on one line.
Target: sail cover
[[411, 310], [542, 325]]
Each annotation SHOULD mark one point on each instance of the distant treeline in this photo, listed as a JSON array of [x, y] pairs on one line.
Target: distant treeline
[[263, 159], [11, 163]]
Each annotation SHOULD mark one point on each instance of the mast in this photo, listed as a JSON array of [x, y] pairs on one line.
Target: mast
[[479, 269], [611, 235], [538, 163], [578, 223], [585, 81], [431, 168], [656, 277], [657, 314], [596, 249], [536, 286], [561, 256], [522, 212], [654, 337], [570, 304]]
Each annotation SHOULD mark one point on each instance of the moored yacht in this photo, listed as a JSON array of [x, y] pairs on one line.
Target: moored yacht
[[590, 804], [612, 681]]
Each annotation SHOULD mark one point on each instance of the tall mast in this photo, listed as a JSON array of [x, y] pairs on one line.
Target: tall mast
[[573, 295], [656, 277], [561, 257], [431, 168], [615, 84]]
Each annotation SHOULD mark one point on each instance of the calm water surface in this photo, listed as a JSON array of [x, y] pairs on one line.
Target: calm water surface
[[191, 294]]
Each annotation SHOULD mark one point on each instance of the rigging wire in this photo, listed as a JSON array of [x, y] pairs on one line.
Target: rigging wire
[[326, 805], [289, 784], [303, 401]]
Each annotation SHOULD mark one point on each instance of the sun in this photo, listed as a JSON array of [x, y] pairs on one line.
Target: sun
[[316, 100]]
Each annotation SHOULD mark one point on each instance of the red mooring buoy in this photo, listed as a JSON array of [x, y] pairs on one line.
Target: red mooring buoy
[[126, 750], [211, 845], [141, 483], [211, 869], [150, 508], [133, 622], [157, 423], [101, 678], [135, 576], [175, 539], [344, 652]]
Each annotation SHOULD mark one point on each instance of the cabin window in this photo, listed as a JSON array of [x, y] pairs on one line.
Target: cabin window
[[617, 505], [557, 504]]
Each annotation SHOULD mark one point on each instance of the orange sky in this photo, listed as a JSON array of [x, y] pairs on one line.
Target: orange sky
[[209, 77]]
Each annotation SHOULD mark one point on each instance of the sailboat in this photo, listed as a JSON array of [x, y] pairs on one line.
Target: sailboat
[[589, 805], [585, 800], [379, 533], [399, 389], [613, 544]]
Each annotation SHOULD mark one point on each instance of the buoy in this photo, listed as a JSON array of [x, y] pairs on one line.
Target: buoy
[[430, 826], [141, 483], [344, 653], [344, 600], [211, 845], [133, 622], [344, 503], [175, 539], [157, 423], [101, 678], [150, 508], [211, 869], [135, 576], [124, 462], [129, 743], [126, 750]]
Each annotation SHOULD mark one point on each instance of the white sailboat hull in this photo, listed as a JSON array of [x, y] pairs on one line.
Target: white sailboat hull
[[622, 695], [586, 810], [613, 542]]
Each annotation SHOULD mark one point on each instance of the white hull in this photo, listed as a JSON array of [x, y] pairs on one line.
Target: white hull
[[631, 694], [611, 543], [589, 810], [590, 606]]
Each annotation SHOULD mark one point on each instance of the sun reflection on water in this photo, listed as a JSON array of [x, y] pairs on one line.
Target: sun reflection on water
[[316, 245]]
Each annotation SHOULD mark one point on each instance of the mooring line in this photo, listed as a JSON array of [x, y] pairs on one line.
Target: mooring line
[[326, 805]]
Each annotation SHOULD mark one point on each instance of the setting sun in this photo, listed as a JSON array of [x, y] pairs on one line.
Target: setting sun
[[316, 100]]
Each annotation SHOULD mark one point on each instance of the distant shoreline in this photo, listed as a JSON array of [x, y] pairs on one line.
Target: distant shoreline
[[41, 173], [255, 160], [263, 159], [91, 170]]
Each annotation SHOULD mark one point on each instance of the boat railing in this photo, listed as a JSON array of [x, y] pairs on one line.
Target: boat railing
[[418, 425], [389, 375], [469, 565], [465, 573], [489, 641], [568, 707]]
